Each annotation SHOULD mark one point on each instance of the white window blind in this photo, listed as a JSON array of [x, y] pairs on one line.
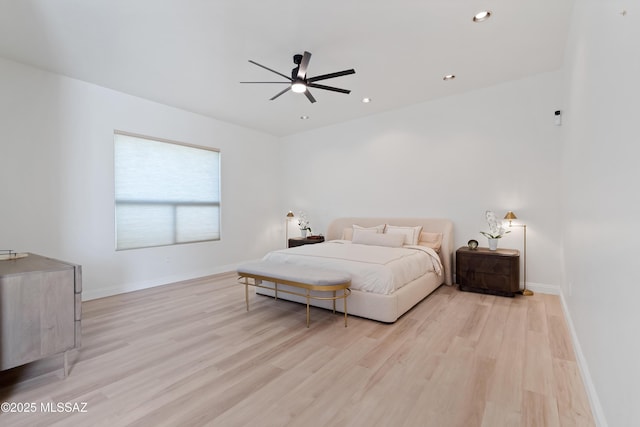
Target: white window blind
[[165, 193]]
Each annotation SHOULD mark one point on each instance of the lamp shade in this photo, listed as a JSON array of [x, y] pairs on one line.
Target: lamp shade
[[510, 216], [290, 215]]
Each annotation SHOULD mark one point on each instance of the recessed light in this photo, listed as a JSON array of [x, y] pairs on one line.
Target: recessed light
[[304, 117], [449, 77], [366, 100], [482, 16]]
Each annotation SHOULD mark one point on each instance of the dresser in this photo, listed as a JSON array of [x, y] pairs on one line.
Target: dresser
[[40, 309], [483, 270], [309, 240]]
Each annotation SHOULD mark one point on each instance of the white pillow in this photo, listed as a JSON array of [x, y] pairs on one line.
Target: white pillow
[[393, 240], [357, 232], [347, 233], [411, 234], [377, 228]]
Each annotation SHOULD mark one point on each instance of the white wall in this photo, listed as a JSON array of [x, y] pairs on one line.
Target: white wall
[[56, 181], [602, 205], [495, 148]]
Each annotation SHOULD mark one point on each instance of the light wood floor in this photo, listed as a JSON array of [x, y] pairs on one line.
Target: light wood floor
[[188, 354]]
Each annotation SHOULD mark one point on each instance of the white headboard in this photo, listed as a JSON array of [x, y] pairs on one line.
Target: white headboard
[[431, 225]]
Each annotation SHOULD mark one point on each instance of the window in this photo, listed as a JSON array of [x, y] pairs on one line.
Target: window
[[166, 193]]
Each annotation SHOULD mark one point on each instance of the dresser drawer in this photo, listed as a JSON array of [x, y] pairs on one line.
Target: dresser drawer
[[488, 264]]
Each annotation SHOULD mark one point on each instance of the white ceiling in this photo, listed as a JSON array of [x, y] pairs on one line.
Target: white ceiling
[[192, 54]]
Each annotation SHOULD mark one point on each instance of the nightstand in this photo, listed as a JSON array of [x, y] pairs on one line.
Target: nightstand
[[492, 272], [309, 240]]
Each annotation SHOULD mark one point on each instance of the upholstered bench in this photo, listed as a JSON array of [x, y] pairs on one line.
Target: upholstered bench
[[305, 278]]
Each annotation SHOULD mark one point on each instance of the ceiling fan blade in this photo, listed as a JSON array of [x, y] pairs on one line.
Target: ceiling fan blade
[[273, 71], [331, 88], [288, 83], [331, 75], [309, 96], [302, 68], [280, 93]]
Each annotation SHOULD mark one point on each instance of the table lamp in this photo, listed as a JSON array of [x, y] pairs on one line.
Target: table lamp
[[289, 217]]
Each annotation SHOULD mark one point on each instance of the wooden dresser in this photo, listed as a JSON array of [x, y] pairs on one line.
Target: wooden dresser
[[309, 240], [483, 270], [40, 303]]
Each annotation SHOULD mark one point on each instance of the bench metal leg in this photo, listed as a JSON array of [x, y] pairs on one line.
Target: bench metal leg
[[246, 293], [334, 302], [344, 293], [307, 308]]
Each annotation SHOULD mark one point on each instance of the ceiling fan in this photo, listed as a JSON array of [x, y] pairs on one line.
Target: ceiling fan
[[300, 83]]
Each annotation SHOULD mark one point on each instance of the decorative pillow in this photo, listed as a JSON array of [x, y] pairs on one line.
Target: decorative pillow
[[347, 233], [378, 228], [360, 231], [363, 237], [431, 240], [411, 234]]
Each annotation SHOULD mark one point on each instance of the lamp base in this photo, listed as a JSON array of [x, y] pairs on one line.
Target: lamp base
[[527, 292]]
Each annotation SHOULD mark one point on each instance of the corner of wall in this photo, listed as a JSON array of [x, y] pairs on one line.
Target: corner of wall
[[592, 394]]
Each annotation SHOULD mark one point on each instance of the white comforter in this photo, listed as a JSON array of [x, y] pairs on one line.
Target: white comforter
[[375, 269]]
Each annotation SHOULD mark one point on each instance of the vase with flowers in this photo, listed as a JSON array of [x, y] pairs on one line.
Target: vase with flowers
[[496, 230], [303, 224]]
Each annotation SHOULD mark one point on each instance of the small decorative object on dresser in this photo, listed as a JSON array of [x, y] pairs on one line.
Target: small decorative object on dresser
[[496, 231], [473, 244], [483, 270], [303, 223]]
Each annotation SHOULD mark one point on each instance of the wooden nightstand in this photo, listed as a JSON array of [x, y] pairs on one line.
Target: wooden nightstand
[[493, 272], [310, 240]]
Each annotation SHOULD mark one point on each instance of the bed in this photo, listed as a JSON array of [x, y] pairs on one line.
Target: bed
[[394, 262]]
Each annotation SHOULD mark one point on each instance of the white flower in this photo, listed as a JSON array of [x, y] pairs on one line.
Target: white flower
[[496, 230], [303, 222]]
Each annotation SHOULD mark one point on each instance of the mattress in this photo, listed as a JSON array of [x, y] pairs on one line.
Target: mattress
[[374, 269]]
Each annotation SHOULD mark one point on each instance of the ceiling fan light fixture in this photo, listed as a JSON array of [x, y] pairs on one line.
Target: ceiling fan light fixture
[[299, 80], [298, 87], [482, 16]]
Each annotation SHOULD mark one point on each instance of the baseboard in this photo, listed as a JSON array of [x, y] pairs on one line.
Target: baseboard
[[592, 394], [90, 294], [543, 288]]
